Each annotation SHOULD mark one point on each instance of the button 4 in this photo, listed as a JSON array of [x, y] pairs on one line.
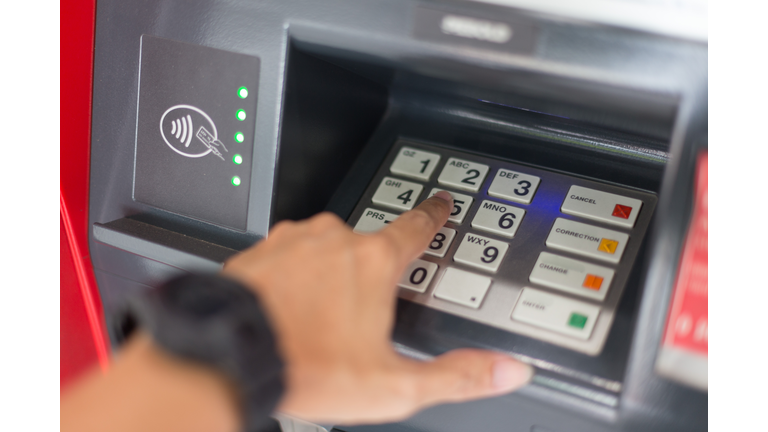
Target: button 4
[[398, 194], [373, 220], [463, 174], [441, 242], [514, 186], [418, 275], [481, 252], [462, 287], [498, 218], [461, 205]]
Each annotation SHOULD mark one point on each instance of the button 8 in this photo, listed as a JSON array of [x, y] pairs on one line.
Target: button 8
[[442, 241]]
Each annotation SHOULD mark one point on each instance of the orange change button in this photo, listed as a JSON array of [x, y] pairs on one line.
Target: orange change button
[[593, 282]]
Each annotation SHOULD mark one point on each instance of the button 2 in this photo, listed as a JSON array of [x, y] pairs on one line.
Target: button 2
[[396, 193], [462, 287], [481, 252], [462, 174], [414, 163], [442, 241], [418, 275], [498, 218], [461, 205], [514, 186]]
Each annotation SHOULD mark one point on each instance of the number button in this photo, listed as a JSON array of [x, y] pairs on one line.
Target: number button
[[514, 186], [441, 242], [414, 163], [462, 174], [396, 193], [501, 219], [418, 275], [461, 205], [373, 220], [481, 252]]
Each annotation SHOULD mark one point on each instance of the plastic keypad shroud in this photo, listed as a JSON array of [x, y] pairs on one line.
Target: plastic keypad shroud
[[524, 249]]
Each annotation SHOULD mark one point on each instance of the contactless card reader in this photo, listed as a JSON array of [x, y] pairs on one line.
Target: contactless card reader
[[195, 130]]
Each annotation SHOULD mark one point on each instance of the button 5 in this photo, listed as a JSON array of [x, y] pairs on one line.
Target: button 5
[[461, 205]]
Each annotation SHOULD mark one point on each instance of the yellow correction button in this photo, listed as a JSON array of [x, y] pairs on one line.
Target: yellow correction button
[[608, 246]]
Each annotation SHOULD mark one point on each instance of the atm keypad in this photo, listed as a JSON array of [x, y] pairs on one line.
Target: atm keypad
[[531, 251]]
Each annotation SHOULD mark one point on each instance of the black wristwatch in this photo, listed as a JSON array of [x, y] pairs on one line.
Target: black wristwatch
[[217, 322]]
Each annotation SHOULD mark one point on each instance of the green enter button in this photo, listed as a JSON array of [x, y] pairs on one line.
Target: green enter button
[[577, 320]]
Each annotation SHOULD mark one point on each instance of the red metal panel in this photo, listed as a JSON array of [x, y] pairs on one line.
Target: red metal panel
[[83, 337]]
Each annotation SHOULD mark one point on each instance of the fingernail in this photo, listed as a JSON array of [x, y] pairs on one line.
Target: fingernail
[[510, 374], [444, 195]]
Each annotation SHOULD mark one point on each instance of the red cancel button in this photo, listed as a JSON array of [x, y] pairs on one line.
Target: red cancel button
[[621, 211]]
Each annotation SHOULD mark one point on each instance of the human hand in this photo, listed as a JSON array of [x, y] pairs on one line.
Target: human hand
[[330, 296]]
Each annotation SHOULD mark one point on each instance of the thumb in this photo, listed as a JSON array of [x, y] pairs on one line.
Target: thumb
[[466, 374]]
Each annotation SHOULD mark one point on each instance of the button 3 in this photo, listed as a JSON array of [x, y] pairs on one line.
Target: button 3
[[514, 186]]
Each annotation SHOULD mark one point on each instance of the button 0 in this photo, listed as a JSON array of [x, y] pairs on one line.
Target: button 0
[[418, 275], [373, 220], [462, 287], [461, 205], [480, 252], [601, 206], [398, 194], [501, 219], [572, 276], [514, 186], [442, 241], [462, 174], [587, 240], [556, 313], [414, 163]]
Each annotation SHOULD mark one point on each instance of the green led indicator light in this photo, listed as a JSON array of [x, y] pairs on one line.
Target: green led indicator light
[[242, 92], [239, 137], [240, 115], [236, 181], [237, 159], [577, 320]]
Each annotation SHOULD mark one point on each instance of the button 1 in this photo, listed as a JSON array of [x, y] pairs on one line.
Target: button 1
[[462, 174], [395, 193], [601, 206], [414, 163], [373, 220], [462, 287], [461, 205], [556, 313], [418, 275], [501, 219], [514, 186], [481, 252], [441, 242], [573, 276], [587, 240]]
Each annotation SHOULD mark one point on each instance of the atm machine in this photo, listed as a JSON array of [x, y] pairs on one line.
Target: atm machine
[[573, 137]]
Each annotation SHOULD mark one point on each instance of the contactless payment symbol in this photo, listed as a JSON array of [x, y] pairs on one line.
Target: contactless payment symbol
[[190, 132]]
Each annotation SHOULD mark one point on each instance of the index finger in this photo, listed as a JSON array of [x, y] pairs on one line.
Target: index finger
[[412, 232]]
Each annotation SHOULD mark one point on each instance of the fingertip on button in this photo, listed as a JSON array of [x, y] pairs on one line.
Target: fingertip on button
[[444, 195]]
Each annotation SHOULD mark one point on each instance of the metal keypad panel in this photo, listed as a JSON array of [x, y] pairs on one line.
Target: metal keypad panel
[[528, 250]]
